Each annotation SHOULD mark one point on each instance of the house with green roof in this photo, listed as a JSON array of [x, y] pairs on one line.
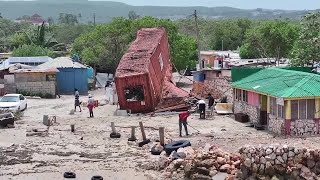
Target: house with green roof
[[286, 101]]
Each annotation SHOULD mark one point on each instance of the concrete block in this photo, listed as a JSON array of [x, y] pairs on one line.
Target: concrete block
[[121, 112]]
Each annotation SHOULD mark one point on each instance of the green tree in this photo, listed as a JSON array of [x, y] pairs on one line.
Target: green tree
[[272, 39], [133, 15], [69, 19], [32, 50], [64, 33], [8, 28], [248, 52], [307, 48], [50, 21], [105, 45]]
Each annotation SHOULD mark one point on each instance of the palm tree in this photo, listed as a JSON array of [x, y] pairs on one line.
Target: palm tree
[[40, 37]]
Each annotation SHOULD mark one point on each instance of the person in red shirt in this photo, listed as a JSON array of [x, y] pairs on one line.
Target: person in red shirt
[[183, 121]]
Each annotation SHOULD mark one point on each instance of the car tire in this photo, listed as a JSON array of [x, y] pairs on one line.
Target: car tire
[[169, 148], [115, 135], [26, 107], [140, 144], [97, 178], [69, 175]]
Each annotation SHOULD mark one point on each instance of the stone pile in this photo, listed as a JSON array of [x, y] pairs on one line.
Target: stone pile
[[218, 87], [200, 164], [281, 161], [267, 163]]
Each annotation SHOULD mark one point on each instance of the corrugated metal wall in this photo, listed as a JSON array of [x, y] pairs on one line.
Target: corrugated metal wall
[[152, 82], [133, 81], [70, 78]]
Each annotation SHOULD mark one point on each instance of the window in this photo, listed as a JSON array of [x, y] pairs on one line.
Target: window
[[281, 112], [244, 96], [238, 94], [303, 109], [294, 110], [21, 98], [134, 94], [241, 95], [310, 108], [273, 106], [276, 109]]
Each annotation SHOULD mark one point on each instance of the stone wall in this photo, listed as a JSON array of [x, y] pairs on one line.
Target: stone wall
[[9, 88], [276, 125], [36, 83], [282, 161], [251, 111], [218, 87], [304, 127], [44, 87]]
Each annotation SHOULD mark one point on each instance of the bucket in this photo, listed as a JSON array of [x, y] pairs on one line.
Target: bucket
[[72, 127]]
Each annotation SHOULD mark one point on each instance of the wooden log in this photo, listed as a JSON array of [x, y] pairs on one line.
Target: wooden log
[[142, 131], [72, 127], [161, 134], [113, 127], [46, 120], [133, 131]]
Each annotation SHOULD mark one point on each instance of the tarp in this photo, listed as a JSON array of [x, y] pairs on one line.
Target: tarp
[[102, 78], [224, 108]]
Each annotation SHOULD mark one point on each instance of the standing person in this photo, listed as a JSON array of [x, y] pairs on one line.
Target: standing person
[[76, 101], [211, 101], [202, 109], [183, 121], [90, 105]]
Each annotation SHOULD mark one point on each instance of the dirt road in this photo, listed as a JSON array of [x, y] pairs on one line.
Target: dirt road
[[89, 151]]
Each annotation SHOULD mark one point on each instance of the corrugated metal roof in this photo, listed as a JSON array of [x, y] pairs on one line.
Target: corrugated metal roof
[[283, 83], [50, 70], [62, 62], [40, 59]]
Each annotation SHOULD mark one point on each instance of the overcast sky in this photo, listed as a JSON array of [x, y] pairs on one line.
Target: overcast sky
[[243, 4]]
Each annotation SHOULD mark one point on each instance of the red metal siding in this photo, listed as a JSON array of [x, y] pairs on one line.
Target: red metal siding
[[123, 83], [157, 76], [152, 80]]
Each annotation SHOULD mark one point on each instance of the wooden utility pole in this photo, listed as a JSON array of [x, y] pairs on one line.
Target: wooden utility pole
[[94, 19], [198, 35]]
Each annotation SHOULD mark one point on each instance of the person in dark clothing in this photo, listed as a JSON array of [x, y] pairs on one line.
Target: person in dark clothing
[[211, 101], [183, 121], [76, 101]]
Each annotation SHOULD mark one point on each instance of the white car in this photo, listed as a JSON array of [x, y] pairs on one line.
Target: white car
[[13, 103]]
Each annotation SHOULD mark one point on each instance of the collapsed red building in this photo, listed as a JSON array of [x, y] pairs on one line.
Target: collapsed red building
[[143, 77]]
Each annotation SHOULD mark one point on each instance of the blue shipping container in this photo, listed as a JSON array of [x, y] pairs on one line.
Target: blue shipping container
[[72, 78]]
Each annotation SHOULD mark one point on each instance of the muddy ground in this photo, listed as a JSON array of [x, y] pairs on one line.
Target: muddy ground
[[89, 151]]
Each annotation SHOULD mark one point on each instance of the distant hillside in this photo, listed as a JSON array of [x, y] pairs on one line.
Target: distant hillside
[[106, 10]]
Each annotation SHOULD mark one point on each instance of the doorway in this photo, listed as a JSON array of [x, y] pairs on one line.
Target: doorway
[[263, 110]]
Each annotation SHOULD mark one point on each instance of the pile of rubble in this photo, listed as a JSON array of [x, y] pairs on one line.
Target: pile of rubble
[[197, 164], [273, 162], [281, 162]]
